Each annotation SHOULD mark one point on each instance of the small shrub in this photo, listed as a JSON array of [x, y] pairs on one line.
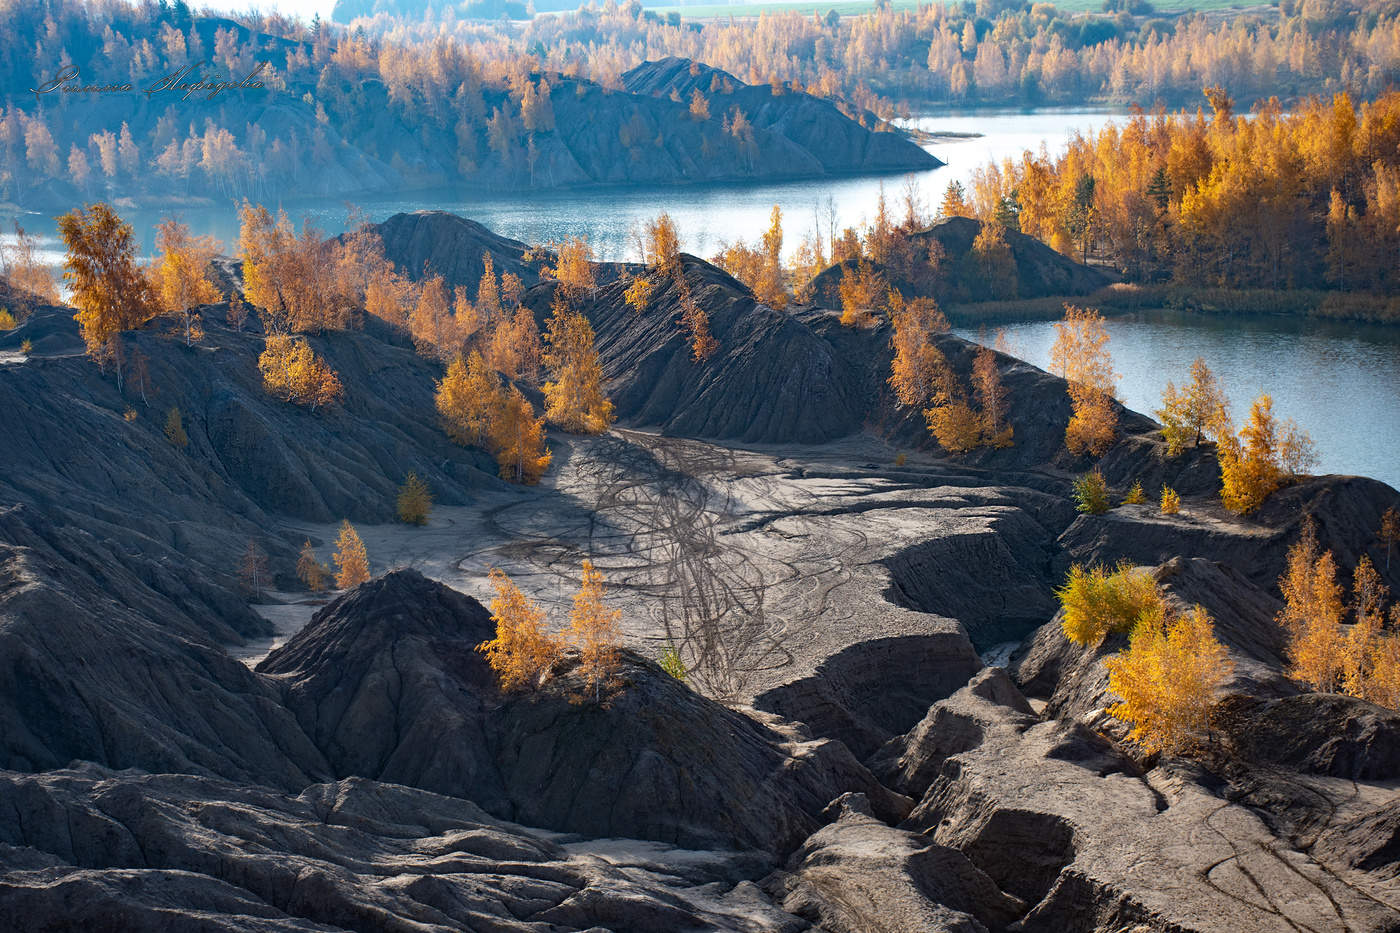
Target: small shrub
[[1091, 493], [129, 415], [415, 501], [1171, 501], [175, 429], [26, 347], [671, 663], [7, 320], [900, 459], [1135, 495], [1098, 601]]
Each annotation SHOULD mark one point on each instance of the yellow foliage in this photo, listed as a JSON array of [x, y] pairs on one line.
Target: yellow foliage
[[415, 501], [955, 425], [1167, 679], [7, 320], [861, 292], [574, 397], [110, 292], [918, 367], [517, 437], [1312, 614], [1189, 415], [573, 266], [1264, 456], [310, 570], [1170, 503], [178, 271], [522, 653], [467, 399], [593, 630], [638, 294], [1135, 494], [1097, 601], [991, 397], [1080, 355], [350, 557], [662, 249], [293, 372]]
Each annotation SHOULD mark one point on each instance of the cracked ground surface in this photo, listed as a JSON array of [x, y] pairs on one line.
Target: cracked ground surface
[[758, 564]]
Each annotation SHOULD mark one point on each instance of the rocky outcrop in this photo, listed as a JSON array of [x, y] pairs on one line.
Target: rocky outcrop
[[88, 677], [771, 380], [858, 875], [1346, 509], [387, 682], [92, 475], [1074, 682], [1055, 816], [101, 850]]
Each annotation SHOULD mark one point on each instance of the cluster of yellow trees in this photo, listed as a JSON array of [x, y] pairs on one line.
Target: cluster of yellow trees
[[479, 409], [302, 283], [524, 652], [922, 378], [350, 557], [1167, 677], [1080, 355], [1265, 453], [1262, 456], [1307, 196], [1360, 658], [658, 244]]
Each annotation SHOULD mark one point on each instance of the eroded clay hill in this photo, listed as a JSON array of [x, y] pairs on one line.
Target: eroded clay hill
[[866, 771]]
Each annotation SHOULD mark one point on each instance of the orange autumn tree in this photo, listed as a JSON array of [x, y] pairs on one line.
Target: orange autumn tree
[[1313, 613], [662, 247], [593, 630], [573, 265], [574, 397], [991, 398], [293, 372], [1265, 455], [517, 436], [1189, 414], [178, 272], [918, 366], [109, 290], [1167, 679], [522, 652], [861, 290], [350, 557], [467, 399], [1080, 355]]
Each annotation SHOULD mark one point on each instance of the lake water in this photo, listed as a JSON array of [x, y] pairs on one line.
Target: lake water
[[706, 215], [1339, 381]]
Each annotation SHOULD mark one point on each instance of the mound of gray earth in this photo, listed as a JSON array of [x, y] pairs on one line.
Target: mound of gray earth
[[1041, 272], [451, 246], [387, 682], [92, 849], [819, 133]]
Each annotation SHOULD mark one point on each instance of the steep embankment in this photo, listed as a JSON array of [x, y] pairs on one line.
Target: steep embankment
[[89, 471]]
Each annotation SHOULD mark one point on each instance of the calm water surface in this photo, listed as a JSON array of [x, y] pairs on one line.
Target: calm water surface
[[1340, 382]]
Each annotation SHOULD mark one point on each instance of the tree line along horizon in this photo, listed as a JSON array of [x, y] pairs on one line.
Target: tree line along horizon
[[300, 283], [487, 87]]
